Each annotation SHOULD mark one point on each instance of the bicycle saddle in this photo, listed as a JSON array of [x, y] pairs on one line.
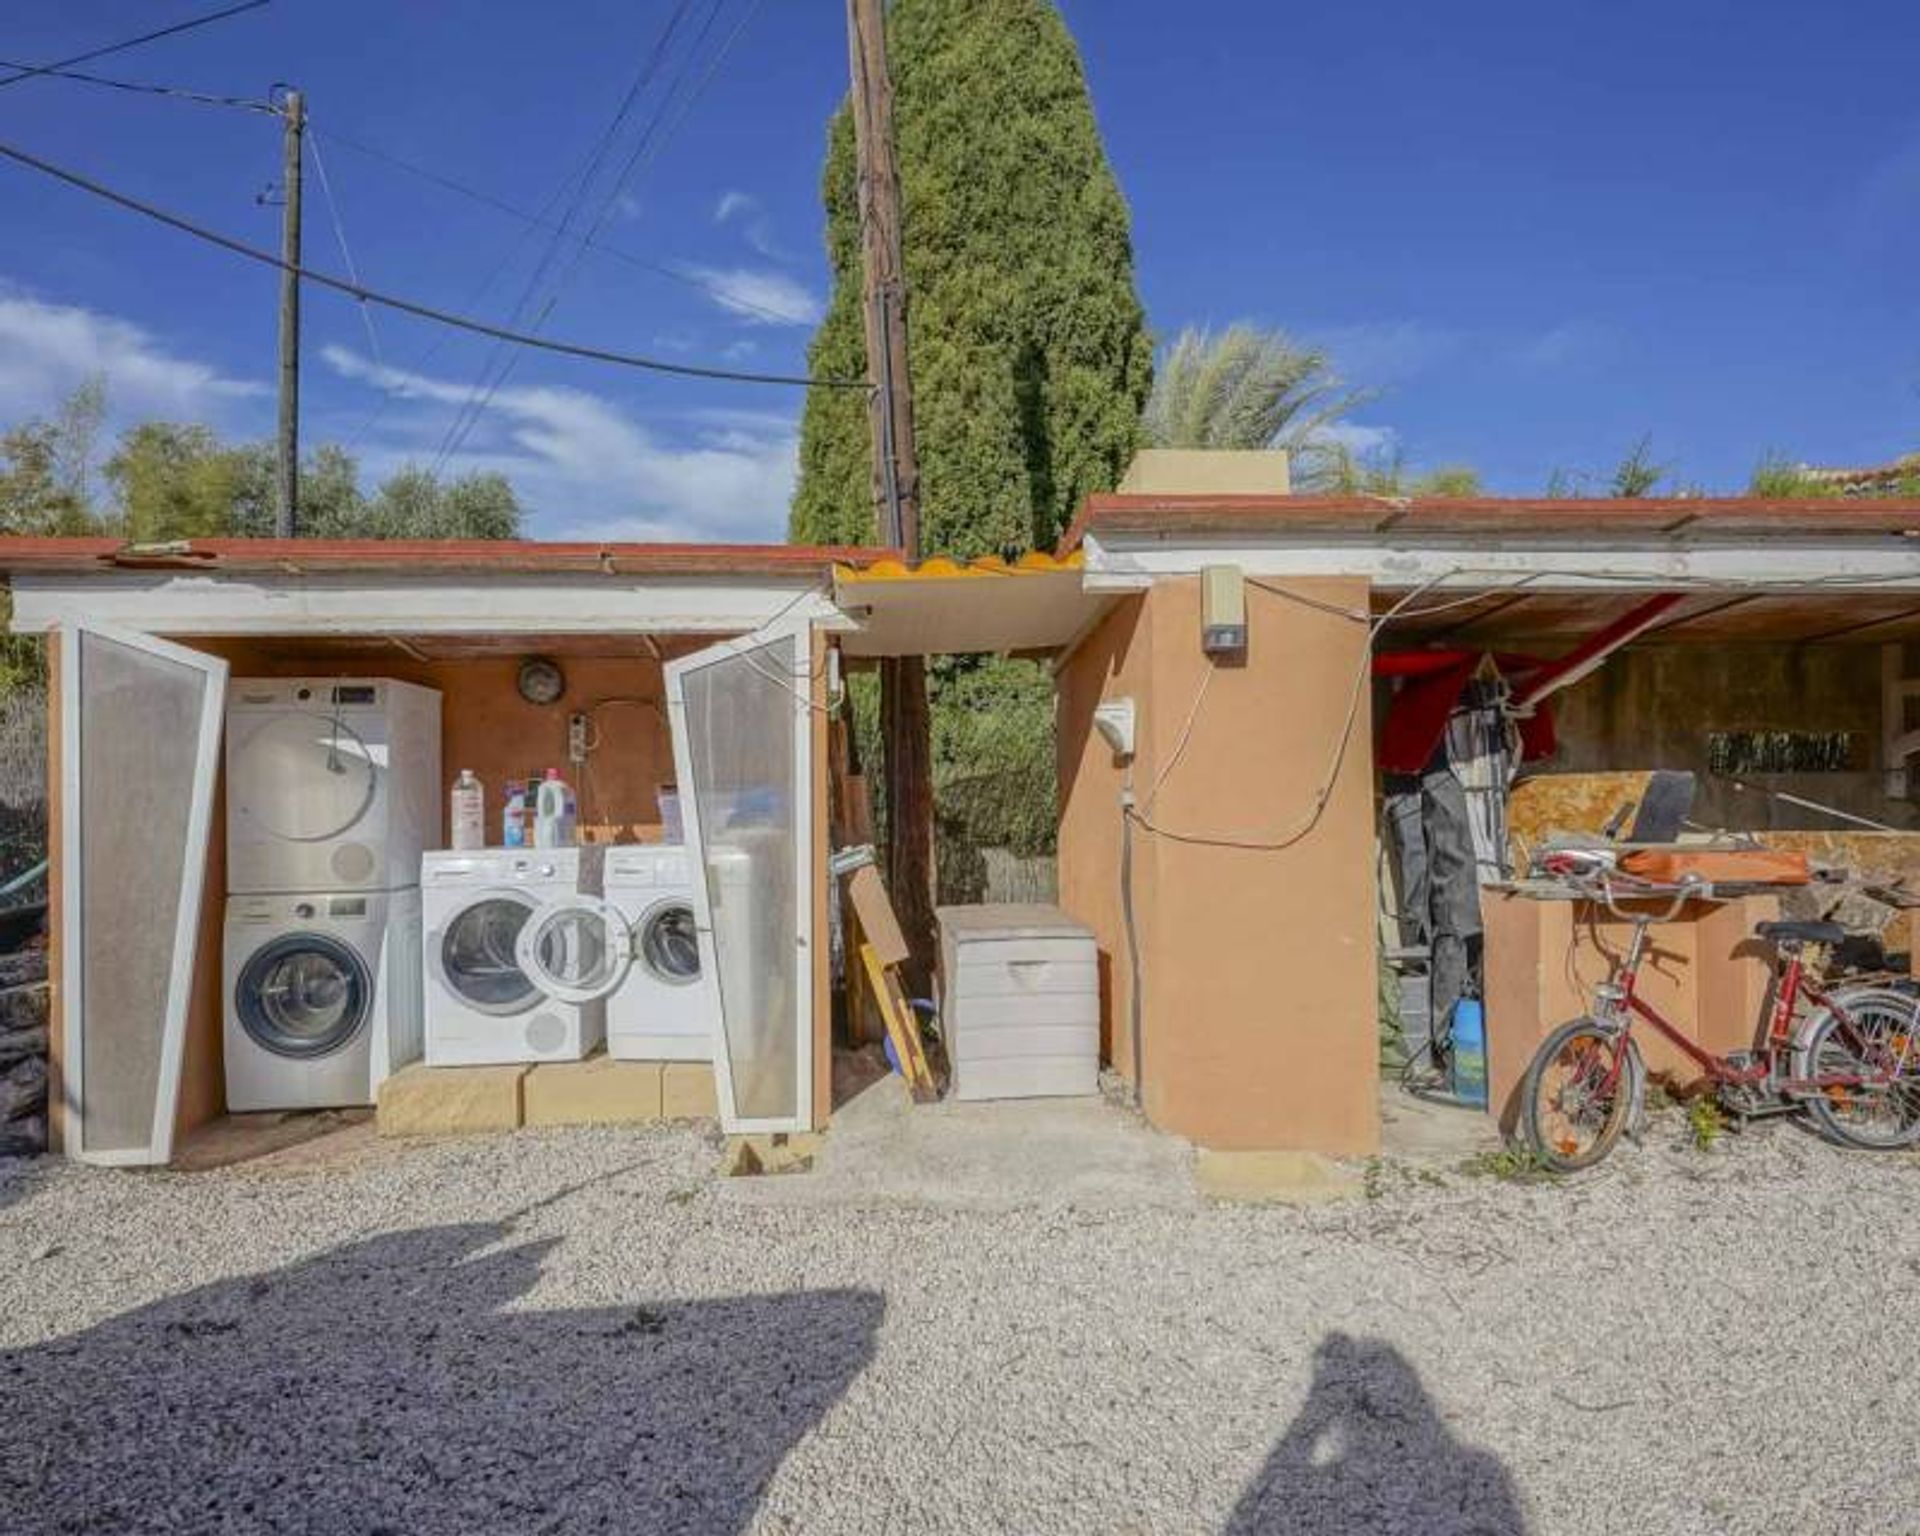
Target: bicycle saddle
[[1801, 933]]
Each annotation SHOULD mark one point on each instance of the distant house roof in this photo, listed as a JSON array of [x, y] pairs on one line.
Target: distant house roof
[[1866, 480], [1172, 519], [431, 557]]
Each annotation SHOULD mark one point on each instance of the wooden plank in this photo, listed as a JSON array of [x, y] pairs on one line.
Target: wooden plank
[[875, 911], [903, 1028]]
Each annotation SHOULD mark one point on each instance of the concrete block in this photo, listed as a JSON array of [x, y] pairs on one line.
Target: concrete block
[[1273, 1178], [597, 1091], [687, 1091], [450, 1101]]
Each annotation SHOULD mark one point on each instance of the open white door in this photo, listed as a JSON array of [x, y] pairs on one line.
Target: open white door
[[139, 748], [742, 750]]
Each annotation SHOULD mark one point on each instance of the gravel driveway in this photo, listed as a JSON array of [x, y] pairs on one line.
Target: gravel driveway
[[585, 1331]]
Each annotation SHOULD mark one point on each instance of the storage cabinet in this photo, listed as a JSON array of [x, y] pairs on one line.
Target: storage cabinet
[[1020, 1008]]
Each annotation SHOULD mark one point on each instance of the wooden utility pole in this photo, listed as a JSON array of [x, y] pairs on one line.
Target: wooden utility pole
[[896, 479], [286, 509]]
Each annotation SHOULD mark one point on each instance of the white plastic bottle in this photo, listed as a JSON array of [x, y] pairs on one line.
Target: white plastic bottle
[[469, 811], [553, 814]]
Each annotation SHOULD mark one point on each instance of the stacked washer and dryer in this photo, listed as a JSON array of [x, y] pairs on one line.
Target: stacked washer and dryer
[[333, 793]]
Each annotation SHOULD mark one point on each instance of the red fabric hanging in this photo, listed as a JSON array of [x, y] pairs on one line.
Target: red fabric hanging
[[1432, 682]]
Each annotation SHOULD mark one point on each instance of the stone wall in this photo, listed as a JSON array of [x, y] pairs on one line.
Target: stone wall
[[23, 1053]]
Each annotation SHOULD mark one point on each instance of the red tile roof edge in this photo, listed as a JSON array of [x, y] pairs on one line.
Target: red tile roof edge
[[428, 556], [1200, 514]]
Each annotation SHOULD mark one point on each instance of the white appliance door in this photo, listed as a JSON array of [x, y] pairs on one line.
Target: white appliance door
[[310, 776], [139, 748], [742, 749], [576, 949]]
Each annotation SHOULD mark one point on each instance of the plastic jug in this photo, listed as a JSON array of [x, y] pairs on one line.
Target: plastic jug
[[468, 811], [553, 813], [1470, 1051], [513, 815]]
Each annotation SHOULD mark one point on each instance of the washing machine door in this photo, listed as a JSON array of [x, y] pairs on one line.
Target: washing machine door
[[666, 942], [304, 995], [310, 776], [475, 957], [577, 949]]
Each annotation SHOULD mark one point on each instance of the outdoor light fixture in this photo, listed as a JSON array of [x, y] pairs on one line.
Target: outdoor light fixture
[[1114, 721]]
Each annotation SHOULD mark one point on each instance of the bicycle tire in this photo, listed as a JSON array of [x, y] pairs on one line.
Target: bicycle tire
[[1553, 1153], [1821, 1109]]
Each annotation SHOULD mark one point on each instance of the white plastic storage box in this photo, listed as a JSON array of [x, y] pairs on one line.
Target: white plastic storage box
[[1021, 1004]]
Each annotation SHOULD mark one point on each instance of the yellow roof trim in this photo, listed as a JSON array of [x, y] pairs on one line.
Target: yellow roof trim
[[940, 568]]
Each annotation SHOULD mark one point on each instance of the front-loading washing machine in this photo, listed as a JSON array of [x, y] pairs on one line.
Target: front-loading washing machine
[[323, 997], [490, 999], [662, 1009], [333, 784]]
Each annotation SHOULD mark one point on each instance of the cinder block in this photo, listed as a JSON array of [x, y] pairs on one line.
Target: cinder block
[[597, 1091], [449, 1101], [687, 1091]]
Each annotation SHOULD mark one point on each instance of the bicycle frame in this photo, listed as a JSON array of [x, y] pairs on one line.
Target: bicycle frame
[[1619, 1004]]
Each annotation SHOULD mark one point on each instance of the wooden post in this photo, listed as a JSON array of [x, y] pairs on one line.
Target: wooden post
[[287, 466], [904, 717]]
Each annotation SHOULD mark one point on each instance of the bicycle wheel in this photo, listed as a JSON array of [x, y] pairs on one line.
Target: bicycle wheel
[[1579, 1093], [1884, 1037]]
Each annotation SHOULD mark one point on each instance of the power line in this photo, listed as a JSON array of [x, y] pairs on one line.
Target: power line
[[340, 236], [499, 361], [178, 92], [651, 142], [410, 306], [29, 71], [537, 221]]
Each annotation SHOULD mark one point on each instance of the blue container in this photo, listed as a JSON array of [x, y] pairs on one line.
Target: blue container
[[1470, 1052]]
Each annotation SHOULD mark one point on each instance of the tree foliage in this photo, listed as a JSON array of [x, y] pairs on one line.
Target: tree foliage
[[1247, 388], [1027, 342], [1388, 474]]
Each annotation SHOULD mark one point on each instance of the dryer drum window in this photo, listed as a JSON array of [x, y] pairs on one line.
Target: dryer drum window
[[304, 995], [669, 946], [477, 959]]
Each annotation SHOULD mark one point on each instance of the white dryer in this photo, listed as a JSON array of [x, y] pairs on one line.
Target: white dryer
[[495, 978], [333, 784], [323, 997], [662, 1009]]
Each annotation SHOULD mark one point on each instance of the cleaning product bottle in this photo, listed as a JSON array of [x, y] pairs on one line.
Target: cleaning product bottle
[[469, 811], [513, 815], [553, 813], [1470, 1051]]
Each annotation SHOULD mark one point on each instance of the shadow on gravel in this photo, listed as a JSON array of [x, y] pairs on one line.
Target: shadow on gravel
[[386, 1386], [1370, 1454]]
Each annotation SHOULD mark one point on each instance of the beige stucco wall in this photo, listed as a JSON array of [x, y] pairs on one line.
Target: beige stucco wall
[[1259, 966]]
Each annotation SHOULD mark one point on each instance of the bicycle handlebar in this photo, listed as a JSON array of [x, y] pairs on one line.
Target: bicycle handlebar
[[1690, 887]]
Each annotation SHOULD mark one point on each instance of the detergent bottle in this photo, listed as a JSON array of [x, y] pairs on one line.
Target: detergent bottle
[[1470, 1051], [513, 815], [553, 813], [468, 809]]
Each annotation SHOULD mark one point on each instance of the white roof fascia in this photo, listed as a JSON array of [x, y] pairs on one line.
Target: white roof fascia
[[1133, 563], [200, 603]]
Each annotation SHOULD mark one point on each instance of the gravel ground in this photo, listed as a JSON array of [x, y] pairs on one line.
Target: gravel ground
[[587, 1331]]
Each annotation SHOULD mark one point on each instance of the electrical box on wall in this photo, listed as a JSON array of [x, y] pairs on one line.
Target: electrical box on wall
[[1223, 610]]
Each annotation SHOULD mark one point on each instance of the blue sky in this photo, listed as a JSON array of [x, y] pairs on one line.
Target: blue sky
[[1537, 232]]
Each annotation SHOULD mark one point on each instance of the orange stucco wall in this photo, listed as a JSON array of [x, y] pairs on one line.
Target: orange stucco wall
[[1259, 979]]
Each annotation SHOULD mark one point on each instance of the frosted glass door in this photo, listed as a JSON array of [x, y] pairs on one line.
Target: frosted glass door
[[741, 717], [139, 743]]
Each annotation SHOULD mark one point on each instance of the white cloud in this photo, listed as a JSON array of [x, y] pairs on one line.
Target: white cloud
[[46, 350], [586, 469], [1385, 352], [733, 205], [1574, 346], [747, 211], [758, 296]]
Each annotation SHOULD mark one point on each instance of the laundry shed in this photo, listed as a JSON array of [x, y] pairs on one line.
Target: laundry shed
[[659, 679]]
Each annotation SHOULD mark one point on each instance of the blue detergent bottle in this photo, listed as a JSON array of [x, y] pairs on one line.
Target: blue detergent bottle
[[1470, 1052]]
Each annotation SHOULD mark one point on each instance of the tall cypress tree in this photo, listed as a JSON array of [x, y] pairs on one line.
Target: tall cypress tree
[[1030, 355], [1030, 360]]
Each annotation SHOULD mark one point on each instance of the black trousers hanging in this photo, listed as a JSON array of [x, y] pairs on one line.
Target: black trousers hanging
[[1439, 888]]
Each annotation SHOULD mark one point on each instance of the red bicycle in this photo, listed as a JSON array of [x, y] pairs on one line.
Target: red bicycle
[[1847, 1057]]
